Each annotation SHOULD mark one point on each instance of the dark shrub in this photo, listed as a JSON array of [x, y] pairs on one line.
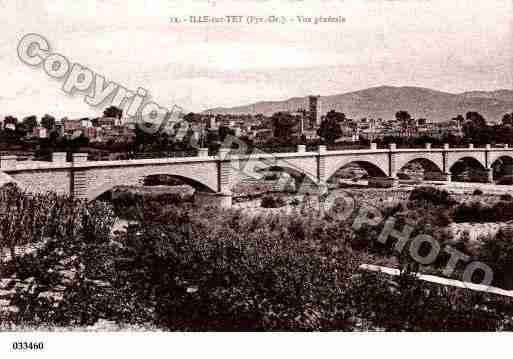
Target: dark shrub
[[506, 197], [126, 203], [477, 212], [404, 303], [477, 192], [67, 281], [503, 212], [497, 252], [431, 196], [229, 272], [270, 201], [472, 212]]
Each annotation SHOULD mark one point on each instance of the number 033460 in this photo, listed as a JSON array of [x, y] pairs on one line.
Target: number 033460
[[27, 345]]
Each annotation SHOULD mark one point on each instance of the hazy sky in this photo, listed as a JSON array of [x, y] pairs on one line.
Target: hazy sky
[[449, 45]]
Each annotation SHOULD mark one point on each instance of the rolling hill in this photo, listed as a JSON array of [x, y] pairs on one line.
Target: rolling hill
[[385, 101]]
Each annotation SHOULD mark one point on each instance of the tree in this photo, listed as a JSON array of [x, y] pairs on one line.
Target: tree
[[459, 120], [48, 122], [476, 130], [507, 119], [403, 117], [503, 133], [339, 117], [283, 124], [330, 128], [29, 123], [476, 118], [80, 141], [225, 131], [113, 111], [10, 120], [212, 138], [192, 117]]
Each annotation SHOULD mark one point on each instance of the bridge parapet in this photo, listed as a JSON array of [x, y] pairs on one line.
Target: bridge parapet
[[203, 152], [79, 157], [59, 157], [8, 162]]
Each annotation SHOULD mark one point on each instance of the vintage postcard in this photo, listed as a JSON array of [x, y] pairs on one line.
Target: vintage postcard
[[253, 166]]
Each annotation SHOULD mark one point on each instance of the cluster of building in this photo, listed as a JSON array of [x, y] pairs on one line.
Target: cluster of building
[[101, 129], [257, 128], [371, 129]]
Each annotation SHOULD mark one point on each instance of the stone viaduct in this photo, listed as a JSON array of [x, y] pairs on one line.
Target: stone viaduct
[[213, 177]]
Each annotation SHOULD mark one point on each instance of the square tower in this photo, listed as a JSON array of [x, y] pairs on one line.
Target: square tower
[[314, 108]]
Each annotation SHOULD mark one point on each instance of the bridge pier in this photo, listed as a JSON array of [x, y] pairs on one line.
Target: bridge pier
[[392, 170], [79, 177], [321, 164], [217, 199], [489, 175], [447, 177]]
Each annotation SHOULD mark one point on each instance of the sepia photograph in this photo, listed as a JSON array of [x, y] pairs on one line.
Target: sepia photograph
[[175, 173]]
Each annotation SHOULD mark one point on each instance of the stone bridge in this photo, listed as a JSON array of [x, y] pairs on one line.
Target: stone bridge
[[213, 177]]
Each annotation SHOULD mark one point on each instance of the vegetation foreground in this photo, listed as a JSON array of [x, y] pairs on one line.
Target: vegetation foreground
[[192, 268]]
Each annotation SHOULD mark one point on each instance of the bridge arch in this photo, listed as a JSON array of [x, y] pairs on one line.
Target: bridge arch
[[373, 169], [135, 180], [299, 176], [503, 158], [427, 165], [377, 164], [466, 163], [502, 167], [432, 161], [474, 157]]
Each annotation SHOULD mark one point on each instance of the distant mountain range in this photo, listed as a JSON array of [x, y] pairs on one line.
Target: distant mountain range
[[385, 101]]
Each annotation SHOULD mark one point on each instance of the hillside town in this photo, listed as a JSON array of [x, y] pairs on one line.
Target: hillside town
[[304, 124]]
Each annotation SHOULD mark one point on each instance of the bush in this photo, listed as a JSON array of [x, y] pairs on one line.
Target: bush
[[128, 203], [272, 202], [497, 252], [477, 192], [473, 212], [404, 303], [506, 197], [479, 213], [67, 281], [206, 271], [431, 196]]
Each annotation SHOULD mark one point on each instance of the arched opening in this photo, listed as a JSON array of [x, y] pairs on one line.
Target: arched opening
[[275, 179], [166, 187], [468, 169], [503, 170], [356, 172], [420, 169]]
